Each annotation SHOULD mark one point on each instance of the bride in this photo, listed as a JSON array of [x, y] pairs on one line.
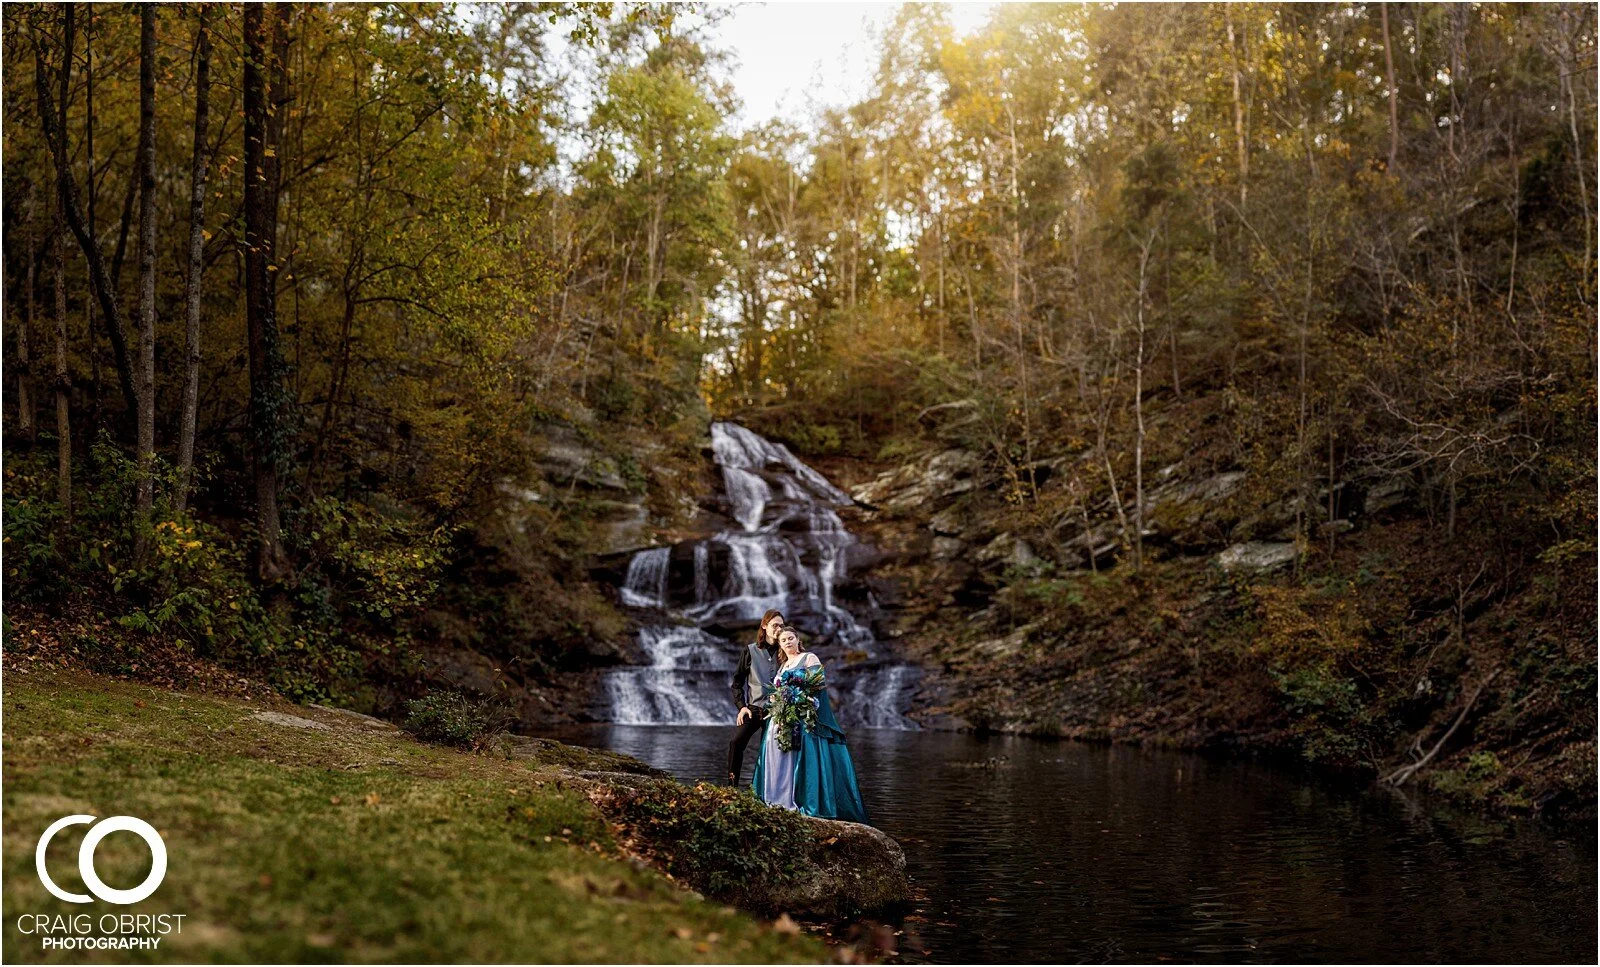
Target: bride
[[815, 776]]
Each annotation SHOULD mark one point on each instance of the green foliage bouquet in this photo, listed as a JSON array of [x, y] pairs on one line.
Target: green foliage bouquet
[[795, 704]]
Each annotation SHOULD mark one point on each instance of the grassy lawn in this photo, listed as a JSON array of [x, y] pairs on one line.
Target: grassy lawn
[[297, 844]]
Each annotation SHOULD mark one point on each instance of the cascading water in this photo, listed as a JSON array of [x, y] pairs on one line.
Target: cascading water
[[785, 548], [684, 684]]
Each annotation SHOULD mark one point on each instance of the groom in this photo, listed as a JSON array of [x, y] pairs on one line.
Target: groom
[[752, 682]]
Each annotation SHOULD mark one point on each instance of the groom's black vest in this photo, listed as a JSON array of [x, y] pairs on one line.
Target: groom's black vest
[[762, 665]]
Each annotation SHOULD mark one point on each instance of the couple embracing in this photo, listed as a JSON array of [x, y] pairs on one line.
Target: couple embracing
[[802, 762]]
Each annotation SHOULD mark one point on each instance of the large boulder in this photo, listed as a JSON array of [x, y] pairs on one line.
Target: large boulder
[[1008, 550], [922, 483], [713, 837], [1006, 646], [1273, 521], [1258, 557], [1191, 512], [857, 868]]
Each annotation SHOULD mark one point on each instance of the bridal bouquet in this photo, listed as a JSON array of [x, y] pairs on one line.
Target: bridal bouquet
[[795, 704]]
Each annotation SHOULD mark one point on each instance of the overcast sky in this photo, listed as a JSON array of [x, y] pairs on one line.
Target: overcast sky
[[790, 56]]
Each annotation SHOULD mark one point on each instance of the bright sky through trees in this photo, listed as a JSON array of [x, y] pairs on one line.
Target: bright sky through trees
[[795, 54]]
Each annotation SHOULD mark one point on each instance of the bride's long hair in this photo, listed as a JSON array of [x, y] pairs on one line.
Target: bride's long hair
[[766, 635]]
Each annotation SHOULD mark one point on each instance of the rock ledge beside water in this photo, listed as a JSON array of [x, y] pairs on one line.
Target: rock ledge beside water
[[728, 846]]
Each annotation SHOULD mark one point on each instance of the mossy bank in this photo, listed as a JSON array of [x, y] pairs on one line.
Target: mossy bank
[[304, 834]]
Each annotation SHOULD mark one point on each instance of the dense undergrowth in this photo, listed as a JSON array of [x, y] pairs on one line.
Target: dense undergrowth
[[379, 584]]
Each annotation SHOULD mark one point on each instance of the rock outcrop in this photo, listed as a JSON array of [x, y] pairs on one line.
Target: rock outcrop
[[857, 868], [1258, 557], [1186, 513], [940, 476], [786, 862]]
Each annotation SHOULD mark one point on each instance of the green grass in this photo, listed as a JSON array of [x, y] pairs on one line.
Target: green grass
[[290, 844]]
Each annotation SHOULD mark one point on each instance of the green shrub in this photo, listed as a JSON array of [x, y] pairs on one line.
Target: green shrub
[[451, 718], [816, 439], [613, 397], [1331, 723]]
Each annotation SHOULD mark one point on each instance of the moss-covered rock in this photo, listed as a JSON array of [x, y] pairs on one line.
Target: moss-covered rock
[[731, 846]]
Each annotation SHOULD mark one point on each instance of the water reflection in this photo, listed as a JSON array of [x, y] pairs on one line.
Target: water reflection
[[1034, 851]]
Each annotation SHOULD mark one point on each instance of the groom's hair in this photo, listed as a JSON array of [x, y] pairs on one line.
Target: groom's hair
[[766, 619]]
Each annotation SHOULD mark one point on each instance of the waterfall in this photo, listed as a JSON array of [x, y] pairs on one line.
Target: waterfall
[[736, 446], [645, 585], [784, 547], [748, 494], [686, 682]]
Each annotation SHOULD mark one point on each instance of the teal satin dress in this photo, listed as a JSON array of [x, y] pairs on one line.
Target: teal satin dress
[[823, 775]]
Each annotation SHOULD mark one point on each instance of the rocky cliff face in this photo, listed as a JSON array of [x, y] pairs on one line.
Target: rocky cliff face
[[1356, 649], [527, 619]]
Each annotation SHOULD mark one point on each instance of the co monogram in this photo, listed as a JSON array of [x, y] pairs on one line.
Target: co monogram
[[91, 879]]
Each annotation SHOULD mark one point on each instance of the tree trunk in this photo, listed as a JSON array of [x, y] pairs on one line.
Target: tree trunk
[[146, 384], [120, 251], [1394, 93], [1238, 109], [268, 404], [1302, 417], [52, 118], [90, 189], [1016, 307], [1138, 410], [1568, 73], [25, 406], [192, 288], [63, 380], [941, 283], [1514, 206], [1333, 505]]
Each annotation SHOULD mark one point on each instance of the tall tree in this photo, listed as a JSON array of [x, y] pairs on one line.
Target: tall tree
[[25, 405], [197, 238], [1238, 107], [63, 371], [1394, 91], [53, 122], [269, 403], [146, 373]]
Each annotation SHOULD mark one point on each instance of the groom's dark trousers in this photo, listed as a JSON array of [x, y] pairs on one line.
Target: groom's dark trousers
[[757, 663], [741, 739]]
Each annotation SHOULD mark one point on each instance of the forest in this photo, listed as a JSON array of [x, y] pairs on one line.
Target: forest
[[336, 334]]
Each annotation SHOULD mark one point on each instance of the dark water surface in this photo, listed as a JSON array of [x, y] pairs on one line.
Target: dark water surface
[[1026, 850]]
